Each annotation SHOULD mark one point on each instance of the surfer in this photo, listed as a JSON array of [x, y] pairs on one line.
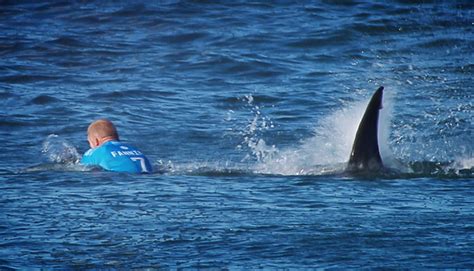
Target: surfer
[[109, 153]]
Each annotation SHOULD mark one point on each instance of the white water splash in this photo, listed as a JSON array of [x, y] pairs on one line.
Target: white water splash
[[58, 150], [465, 163], [252, 133], [462, 164], [329, 149]]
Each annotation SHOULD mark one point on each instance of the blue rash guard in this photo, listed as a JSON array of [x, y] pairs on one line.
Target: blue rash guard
[[117, 156]]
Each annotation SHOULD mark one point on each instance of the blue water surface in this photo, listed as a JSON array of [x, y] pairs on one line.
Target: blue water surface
[[247, 111]]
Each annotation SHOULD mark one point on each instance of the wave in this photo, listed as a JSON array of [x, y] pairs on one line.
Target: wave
[[26, 78], [44, 99]]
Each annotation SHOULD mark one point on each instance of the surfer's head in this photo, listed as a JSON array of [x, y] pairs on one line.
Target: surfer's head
[[101, 131]]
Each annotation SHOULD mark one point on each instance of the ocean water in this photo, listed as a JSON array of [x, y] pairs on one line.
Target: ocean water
[[247, 111]]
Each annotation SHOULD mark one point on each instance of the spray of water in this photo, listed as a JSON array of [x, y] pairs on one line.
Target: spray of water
[[58, 150], [463, 163], [252, 133], [327, 151]]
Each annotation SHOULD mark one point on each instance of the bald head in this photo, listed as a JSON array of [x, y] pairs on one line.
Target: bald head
[[101, 131]]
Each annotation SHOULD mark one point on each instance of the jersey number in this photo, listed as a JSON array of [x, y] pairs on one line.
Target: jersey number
[[142, 163]]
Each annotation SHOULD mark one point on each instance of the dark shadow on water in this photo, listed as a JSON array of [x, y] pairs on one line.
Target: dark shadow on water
[[415, 170]]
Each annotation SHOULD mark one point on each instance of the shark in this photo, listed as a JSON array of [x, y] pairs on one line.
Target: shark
[[365, 154]]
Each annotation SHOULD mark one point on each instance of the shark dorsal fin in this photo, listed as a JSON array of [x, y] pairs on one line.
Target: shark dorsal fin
[[365, 153]]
